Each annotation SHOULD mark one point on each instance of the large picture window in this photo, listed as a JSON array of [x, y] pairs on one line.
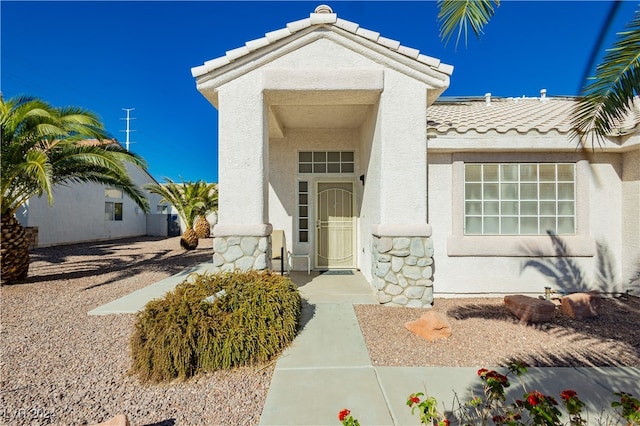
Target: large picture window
[[519, 198]]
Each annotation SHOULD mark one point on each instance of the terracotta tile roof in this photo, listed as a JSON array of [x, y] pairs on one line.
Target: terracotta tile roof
[[96, 142], [322, 16], [502, 115]]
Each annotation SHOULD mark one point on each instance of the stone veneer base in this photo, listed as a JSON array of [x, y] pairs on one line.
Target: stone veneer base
[[403, 270], [241, 252]]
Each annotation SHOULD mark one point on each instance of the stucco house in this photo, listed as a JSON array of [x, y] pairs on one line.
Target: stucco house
[[335, 135], [84, 212]]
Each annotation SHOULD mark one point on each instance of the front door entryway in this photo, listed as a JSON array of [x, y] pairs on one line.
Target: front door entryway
[[335, 225]]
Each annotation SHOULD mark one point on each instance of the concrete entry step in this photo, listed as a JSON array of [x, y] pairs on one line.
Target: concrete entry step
[[333, 288]]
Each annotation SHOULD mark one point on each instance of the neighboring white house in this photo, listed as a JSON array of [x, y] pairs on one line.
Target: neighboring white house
[[334, 134], [84, 212]]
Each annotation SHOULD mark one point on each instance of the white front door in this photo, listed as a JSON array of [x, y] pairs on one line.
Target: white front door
[[335, 225]]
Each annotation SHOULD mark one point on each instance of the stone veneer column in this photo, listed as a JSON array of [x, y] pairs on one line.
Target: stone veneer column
[[403, 265], [241, 247]]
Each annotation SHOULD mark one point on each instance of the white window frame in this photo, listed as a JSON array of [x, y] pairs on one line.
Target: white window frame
[[331, 166], [581, 244], [299, 204], [493, 209]]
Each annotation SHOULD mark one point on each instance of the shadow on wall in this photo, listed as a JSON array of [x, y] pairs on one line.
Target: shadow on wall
[[568, 277]]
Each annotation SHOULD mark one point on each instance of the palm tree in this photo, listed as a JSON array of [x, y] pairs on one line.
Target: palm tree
[[610, 94], [607, 97], [42, 146], [190, 200], [208, 194]]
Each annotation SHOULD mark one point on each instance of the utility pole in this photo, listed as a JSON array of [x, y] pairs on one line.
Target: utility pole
[[128, 130]]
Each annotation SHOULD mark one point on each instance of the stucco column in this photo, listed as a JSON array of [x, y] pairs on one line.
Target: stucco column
[[402, 249], [242, 237], [242, 153], [403, 149]]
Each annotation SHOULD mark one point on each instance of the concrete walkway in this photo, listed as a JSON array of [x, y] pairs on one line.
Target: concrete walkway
[[134, 302], [327, 366]]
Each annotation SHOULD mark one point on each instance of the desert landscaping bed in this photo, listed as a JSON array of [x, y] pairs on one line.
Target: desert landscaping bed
[[61, 366], [486, 334]]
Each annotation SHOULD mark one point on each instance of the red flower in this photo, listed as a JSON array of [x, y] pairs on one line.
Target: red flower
[[567, 394], [343, 414], [414, 399], [446, 422], [482, 372], [534, 398], [500, 378]]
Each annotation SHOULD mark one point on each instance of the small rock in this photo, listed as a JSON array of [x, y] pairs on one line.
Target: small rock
[[580, 305], [119, 420], [530, 309], [432, 326]]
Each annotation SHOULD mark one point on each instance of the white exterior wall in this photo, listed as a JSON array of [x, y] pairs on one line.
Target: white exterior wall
[[243, 153], [403, 136], [460, 275], [371, 164], [631, 218], [78, 214], [319, 71]]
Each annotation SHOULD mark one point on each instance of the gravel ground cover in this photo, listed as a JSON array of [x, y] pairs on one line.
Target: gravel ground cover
[[60, 366], [486, 334]]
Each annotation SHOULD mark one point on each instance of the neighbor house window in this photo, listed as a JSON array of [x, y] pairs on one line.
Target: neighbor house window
[[303, 211], [113, 211], [113, 193], [326, 162], [519, 198]]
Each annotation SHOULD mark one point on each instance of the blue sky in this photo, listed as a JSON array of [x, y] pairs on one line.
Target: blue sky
[[106, 56]]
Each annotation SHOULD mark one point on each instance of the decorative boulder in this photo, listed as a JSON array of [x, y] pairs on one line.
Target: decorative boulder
[[432, 326], [119, 420], [530, 309], [580, 305]]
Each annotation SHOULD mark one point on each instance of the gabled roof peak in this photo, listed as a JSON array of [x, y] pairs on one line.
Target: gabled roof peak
[[322, 15]]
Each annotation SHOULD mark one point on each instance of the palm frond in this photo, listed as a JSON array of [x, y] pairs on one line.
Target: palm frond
[[461, 14], [609, 96], [190, 199], [40, 149]]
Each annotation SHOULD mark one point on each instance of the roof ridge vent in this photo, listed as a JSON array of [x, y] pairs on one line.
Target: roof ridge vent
[[323, 8], [487, 99]]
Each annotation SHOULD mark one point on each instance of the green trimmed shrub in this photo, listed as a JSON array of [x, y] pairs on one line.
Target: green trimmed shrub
[[181, 335]]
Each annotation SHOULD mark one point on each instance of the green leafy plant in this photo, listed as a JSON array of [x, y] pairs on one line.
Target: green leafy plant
[[214, 322], [192, 200], [428, 409], [535, 408], [44, 147], [347, 419], [629, 407]]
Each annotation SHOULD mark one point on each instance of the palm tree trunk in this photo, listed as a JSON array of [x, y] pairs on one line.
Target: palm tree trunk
[[202, 227], [189, 240], [14, 253]]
